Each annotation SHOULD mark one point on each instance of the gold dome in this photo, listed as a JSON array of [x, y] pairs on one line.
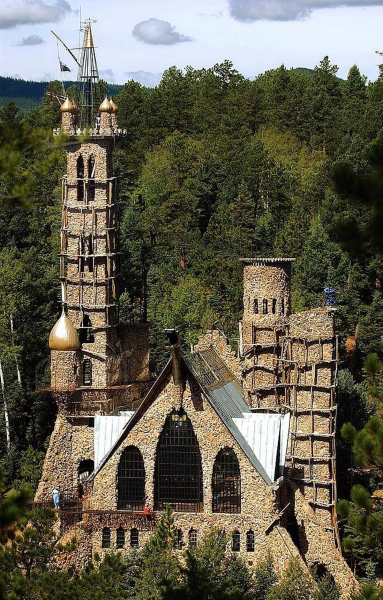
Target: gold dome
[[64, 336], [67, 106], [106, 106], [114, 106]]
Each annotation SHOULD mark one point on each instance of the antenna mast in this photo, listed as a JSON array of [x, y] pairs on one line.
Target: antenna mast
[[87, 75]]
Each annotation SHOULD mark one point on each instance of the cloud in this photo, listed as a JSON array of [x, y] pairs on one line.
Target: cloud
[[144, 77], [154, 31], [27, 12], [287, 10], [108, 75], [31, 40]]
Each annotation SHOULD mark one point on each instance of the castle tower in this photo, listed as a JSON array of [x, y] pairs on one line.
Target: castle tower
[[101, 359], [289, 364]]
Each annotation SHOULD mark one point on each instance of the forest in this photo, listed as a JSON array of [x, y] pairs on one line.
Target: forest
[[214, 167]]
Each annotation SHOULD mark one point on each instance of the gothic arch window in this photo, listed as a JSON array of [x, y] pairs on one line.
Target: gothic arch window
[[80, 178], [131, 480], [87, 372], [265, 306], [178, 470], [91, 181], [105, 542], [120, 538], [178, 539], [250, 541], [226, 486], [236, 541], [85, 468], [86, 333], [134, 539]]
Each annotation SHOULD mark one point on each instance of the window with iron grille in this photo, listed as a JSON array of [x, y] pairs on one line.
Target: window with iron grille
[[131, 480], [178, 471], [178, 539], [193, 538], [87, 372], [105, 537], [226, 483], [120, 538], [250, 541], [134, 542], [236, 541]]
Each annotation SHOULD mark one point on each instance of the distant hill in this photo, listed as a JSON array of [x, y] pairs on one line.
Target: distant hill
[[28, 94], [304, 71]]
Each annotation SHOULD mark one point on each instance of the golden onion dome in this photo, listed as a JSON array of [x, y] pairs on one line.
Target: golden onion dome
[[63, 336], [114, 106], [106, 106], [67, 106]]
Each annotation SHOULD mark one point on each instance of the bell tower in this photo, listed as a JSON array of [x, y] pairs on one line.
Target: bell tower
[[94, 358]]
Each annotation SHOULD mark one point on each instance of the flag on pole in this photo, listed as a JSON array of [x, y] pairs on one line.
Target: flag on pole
[[64, 67]]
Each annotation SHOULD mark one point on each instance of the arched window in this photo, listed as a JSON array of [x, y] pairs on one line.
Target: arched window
[[226, 483], [255, 305], [274, 306], [105, 537], [87, 372], [265, 306], [80, 178], [91, 173], [120, 538], [236, 541], [134, 542], [131, 480], [86, 333], [193, 538], [250, 541], [178, 471], [85, 468]]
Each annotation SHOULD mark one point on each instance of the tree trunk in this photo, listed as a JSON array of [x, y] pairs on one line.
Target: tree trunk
[[13, 343], [6, 415]]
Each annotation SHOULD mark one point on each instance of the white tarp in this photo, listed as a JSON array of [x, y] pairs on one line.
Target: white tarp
[[263, 432], [107, 430]]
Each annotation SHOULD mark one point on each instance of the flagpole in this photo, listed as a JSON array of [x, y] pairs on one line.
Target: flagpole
[[61, 75]]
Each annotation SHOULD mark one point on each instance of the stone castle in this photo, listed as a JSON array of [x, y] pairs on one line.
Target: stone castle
[[241, 441]]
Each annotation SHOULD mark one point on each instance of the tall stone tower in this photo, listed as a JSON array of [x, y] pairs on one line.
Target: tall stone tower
[[290, 364], [97, 363]]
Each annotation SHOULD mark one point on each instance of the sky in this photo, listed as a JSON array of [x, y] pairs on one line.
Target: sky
[[140, 39]]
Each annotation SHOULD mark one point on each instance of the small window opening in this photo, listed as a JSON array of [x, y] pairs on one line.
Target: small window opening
[[120, 538], [178, 539], [255, 306], [274, 306], [87, 372], [134, 542], [193, 538], [283, 306], [80, 178], [91, 183], [105, 537], [265, 306], [236, 541], [86, 333], [250, 541]]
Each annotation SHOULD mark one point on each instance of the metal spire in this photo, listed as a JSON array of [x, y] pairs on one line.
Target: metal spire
[[87, 75]]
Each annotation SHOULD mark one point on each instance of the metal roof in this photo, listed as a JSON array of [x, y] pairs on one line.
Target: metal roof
[[259, 435], [107, 430]]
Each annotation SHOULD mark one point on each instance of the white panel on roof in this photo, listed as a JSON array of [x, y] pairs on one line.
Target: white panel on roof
[[263, 432], [107, 430]]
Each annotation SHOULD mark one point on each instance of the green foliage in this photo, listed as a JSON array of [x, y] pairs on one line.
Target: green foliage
[[264, 577], [294, 584]]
